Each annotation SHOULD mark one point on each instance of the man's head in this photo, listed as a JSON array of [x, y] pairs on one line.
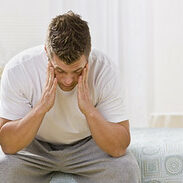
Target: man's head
[[68, 45]]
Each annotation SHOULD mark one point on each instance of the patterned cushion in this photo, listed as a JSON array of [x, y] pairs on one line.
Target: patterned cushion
[[63, 178], [159, 152]]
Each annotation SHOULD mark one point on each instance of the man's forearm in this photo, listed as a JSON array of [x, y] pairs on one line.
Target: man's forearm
[[15, 135], [110, 137]]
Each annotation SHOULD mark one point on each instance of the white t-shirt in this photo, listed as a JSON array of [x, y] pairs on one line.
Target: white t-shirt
[[22, 85]]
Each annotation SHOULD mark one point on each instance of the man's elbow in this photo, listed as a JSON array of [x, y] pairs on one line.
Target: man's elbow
[[117, 153], [119, 150], [7, 147], [8, 150]]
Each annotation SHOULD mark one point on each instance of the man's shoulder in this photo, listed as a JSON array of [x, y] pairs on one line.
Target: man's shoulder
[[101, 63], [101, 69], [26, 57], [99, 56]]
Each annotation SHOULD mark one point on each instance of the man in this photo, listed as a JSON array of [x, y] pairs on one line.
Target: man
[[62, 110]]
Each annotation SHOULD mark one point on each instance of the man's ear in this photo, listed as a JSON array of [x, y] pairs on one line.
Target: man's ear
[[45, 48]]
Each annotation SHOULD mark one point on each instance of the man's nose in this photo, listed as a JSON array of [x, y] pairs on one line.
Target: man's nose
[[68, 80]]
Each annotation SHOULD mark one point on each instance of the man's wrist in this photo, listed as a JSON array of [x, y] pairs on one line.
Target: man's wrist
[[39, 109], [90, 112]]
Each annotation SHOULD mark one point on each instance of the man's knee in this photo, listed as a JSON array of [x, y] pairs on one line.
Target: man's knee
[[13, 170], [9, 165], [127, 168]]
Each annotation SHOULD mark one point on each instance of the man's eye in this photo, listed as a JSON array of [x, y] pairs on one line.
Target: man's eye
[[60, 71], [78, 72]]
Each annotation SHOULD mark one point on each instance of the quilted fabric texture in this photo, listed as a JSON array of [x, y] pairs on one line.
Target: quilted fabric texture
[[63, 178], [159, 152]]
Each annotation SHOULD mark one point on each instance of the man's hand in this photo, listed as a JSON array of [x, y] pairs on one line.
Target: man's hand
[[49, 92], [84, 101]]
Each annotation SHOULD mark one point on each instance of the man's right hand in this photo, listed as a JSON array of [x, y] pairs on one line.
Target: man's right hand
[[49, 92]]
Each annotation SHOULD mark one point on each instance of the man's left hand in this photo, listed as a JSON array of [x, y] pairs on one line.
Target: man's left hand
[[84, 101]]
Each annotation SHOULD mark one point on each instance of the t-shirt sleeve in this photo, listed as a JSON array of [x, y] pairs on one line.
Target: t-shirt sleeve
[[13, 102], [112, 102]]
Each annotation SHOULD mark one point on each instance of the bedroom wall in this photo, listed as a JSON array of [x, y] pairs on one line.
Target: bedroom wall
[[168, 56], [23, 25]]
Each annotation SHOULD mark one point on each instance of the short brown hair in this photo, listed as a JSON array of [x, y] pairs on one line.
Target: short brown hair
[[68, 37]]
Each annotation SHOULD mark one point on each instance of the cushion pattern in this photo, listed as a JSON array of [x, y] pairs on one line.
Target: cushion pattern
[[159, 152]]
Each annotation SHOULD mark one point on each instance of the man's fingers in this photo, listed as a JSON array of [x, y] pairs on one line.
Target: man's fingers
[[86, 74], [84, 77], [87, 71], [80, 83], [51, 78], [54, 86], [47, 74], [80, 87]]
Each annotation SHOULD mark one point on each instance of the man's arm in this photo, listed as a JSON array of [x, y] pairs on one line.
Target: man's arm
[[113, 138], [15, 135]]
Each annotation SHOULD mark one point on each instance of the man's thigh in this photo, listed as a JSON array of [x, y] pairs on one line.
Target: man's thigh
[[90, 164], [26, 166]]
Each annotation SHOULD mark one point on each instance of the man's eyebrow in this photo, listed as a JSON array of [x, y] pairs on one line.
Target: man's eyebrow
[[58, 68], [79, 69]]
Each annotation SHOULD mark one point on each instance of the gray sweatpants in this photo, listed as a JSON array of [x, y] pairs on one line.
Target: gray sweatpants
[[85, 160]]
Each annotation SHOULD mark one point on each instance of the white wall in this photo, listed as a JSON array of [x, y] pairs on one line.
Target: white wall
[[22, 25], [168, 56], [137, 57]]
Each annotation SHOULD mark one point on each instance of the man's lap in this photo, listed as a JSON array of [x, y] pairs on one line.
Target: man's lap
[[83, 159]]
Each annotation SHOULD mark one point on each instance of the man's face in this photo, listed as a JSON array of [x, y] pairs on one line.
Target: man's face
[[67, 75]]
